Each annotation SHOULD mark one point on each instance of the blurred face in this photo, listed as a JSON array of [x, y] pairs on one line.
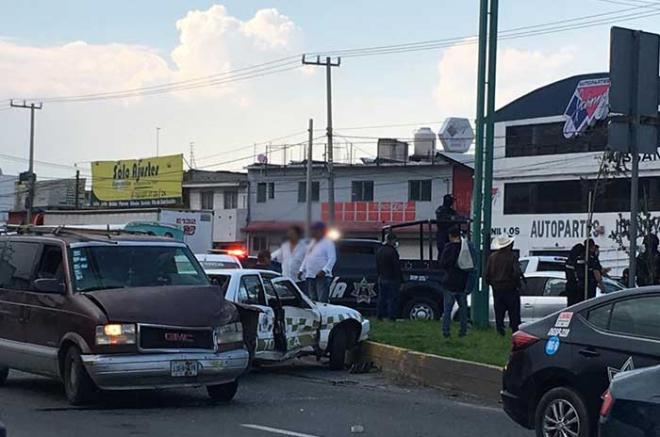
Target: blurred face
[[292, 235], [317, 234], [455, 238]]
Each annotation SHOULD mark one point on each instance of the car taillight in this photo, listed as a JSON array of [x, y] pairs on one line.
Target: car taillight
[[522, 340], [608, 403]]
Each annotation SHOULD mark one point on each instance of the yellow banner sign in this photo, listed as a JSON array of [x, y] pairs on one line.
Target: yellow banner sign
[[138, 182]]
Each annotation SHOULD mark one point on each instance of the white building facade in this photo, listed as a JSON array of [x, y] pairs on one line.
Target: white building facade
[[542, 179], [225, 193]]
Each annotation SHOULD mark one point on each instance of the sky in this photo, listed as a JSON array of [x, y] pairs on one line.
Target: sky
[[76, 47]]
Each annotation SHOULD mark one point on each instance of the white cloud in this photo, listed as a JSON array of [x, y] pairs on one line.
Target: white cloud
[[210, 42], [518, 72]]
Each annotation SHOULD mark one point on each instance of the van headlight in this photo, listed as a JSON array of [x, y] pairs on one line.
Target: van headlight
[[115, 333], [229, 336]]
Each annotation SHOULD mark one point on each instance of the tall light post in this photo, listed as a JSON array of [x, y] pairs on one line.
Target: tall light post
[[157, 140]]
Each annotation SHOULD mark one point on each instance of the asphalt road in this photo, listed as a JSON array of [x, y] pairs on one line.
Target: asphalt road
[[300, 400]]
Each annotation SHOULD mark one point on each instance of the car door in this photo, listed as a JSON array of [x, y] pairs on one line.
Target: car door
[[46, 312], [616, 337], [355, 282], [302, 318], [553, 299], [530, 295], [17, 261]]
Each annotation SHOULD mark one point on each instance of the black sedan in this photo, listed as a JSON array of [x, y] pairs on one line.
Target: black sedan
[[561, 365], [631, 406]]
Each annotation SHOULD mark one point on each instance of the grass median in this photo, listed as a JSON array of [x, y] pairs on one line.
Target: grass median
[[479, 345]]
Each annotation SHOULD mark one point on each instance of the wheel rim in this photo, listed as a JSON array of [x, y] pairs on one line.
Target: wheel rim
[[561, 419], [421, 311]]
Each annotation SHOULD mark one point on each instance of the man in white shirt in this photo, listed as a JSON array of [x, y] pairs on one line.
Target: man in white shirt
[[291, 253], [317, 266]]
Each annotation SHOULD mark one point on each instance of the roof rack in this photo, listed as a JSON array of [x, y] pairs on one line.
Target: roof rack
[[82, 233]]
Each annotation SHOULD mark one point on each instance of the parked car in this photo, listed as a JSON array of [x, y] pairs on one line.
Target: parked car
[[561, 365], [529, 264], [115, 312], [290, 324], [543, 293], [631, 406], [216, 261]]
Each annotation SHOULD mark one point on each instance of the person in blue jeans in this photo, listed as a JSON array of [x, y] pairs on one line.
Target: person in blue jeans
[[454, 284], [388, 268]]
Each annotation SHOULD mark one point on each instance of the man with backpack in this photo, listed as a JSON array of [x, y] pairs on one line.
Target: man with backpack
[[456, 262]]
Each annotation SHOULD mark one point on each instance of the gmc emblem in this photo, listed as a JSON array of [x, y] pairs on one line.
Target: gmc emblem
[[179, 337]]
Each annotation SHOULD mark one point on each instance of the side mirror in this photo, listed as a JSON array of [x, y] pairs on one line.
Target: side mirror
[[49, 285]]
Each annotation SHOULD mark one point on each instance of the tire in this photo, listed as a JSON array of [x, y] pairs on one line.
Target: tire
[[421, 308], [78, 386], [4, 373], [338, 349], [565, 406], [222, 392]]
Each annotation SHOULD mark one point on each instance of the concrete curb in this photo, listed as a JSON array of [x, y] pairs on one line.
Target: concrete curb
[[480, 380]]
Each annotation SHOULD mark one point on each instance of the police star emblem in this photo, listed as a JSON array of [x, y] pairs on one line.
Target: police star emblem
[[363, 291], [628, 365]]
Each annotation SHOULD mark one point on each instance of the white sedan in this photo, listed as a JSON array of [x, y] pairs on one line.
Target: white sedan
[[290, 324]]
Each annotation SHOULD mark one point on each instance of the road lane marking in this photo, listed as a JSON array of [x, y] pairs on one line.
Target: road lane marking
[[277, 430]]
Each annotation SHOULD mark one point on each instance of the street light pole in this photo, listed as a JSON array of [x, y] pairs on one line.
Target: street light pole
[[31, 176]]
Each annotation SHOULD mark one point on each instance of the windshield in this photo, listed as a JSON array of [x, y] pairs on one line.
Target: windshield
[[122, 266]]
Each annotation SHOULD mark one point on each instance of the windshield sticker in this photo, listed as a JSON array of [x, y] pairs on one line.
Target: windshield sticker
[[564, 320], [552, 346], [628, 365]]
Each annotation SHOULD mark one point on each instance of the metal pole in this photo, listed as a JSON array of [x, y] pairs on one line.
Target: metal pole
[[331, 173], [586, 246], [77, 202], [157, 141], [479, 138], [481, 240], [31, 168], [308, 186], [634, 180]]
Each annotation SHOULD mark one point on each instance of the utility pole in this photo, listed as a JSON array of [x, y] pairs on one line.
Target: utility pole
[[77, 201], [308, 183], [192, 162], [328, 63], [483, 172], [30, 194], [157, 140]]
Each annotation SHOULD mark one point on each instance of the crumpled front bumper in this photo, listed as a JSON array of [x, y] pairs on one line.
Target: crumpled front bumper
[[364, 334], [143, 371]]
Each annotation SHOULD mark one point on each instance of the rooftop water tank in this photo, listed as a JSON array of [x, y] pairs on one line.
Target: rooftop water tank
[[424, 141], [392, 149]]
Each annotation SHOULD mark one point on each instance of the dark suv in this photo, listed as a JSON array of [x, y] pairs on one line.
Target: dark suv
[[115, 312]]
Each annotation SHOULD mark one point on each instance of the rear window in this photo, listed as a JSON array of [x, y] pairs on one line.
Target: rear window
[[550, 266], [221, 280], [219, 265]]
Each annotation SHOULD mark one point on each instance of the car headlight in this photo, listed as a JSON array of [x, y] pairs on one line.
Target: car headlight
[[115, 333], [229, 333]]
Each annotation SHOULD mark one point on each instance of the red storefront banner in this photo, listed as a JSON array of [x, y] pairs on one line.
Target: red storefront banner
[[371, 212]]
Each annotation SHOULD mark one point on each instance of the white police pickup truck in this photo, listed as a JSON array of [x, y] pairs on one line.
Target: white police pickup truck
[[290, 324]]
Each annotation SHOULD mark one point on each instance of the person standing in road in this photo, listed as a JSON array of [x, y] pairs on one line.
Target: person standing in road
[[503, 274], [317, 266], [594, 273], [291, 253], [648, 262], [570, 268], [454, 283], [390, 277]]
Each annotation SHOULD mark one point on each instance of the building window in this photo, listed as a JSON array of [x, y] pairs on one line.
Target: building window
[[231, 199], [271, 190], [419, 191], [259, 243], [261, 192], [207, 199], [302, 191], [571, 196], [362, 191], [548, 139]]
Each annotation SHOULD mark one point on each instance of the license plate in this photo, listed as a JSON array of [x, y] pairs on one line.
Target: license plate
[[183, 368]]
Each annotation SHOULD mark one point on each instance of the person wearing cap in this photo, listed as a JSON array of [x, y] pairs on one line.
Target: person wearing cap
[[503, 275], [454, 283], [594, 272], [316, 268], [388, 268]]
